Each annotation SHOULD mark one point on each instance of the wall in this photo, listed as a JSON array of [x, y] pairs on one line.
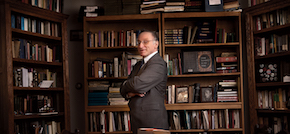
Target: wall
[[75, 50]]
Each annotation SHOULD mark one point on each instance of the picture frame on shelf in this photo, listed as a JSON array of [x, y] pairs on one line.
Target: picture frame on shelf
[[206, 94], [182, 95]]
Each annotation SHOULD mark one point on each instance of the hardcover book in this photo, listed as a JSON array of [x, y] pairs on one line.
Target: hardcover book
[[197, 61]]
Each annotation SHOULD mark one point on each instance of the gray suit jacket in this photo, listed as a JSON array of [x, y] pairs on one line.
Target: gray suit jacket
[[147, 111]]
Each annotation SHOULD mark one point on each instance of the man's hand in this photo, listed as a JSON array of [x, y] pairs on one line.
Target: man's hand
[[130, 94]]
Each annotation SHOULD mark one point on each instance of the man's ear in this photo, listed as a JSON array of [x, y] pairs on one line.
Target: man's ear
[[156, 44]]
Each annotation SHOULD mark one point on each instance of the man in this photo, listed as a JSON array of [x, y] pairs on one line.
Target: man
[[146, 85]]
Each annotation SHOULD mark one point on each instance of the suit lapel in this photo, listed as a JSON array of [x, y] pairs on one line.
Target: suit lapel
[[145, 64]]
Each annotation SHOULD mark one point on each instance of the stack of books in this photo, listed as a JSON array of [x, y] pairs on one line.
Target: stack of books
[[227, 91], [98, 92], [173, 36], [89, 11], [232, 6], [174, 5], [115, 98], [227, 62], [131, 6], [194, 6], [152, 6], [113, 7]]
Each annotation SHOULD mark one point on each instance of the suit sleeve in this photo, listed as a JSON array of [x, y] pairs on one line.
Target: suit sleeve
[[151, 76]]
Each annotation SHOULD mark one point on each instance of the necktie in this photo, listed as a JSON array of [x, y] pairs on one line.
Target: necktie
[[142, 62]]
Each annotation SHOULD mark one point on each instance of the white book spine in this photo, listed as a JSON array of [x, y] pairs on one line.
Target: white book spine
[[116, 67]]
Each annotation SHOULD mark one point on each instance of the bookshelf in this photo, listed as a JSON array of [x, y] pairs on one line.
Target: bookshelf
[[107, 50], [36, 55], [229, 22], [264, 48]]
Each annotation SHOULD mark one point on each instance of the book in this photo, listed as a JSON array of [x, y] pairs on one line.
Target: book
[[226, 59], [197, 61]]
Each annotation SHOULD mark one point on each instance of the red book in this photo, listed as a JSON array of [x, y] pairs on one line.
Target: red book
[[226, 59], [129, 66]]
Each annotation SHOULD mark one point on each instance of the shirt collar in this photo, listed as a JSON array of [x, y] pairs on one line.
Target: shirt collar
[[149, 57]]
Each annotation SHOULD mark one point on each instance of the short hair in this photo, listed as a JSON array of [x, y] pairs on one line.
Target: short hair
[[153, 33]]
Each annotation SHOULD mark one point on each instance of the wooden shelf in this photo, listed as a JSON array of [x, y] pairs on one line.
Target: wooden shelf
[[267, 111], [202, 44], [116, 132], [201, 106], [111, 48], [36, 62], [182, 130], [254, 87], [179, 106], [273, 55], [272, 29], [36, 89], [114, 108], [210, 130], [12, 97], [38, 35], [21, 117], [272, 84], [204, 75], [200, 14], [122, 17], [107, 78], [174, 76]]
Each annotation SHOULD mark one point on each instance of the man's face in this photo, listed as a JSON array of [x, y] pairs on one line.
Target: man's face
[[146, 44]]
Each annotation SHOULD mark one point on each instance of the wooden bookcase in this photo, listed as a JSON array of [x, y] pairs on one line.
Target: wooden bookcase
[[264, 110], [116, 24], [16, 114], [230, 21]]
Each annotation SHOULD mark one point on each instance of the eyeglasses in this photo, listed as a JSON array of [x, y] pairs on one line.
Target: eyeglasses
[[144, 42]]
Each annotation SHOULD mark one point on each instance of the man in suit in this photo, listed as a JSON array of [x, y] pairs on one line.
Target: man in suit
[[146, 85]]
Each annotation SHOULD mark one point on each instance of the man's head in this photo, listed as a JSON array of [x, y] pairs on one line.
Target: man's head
[[147, 43]]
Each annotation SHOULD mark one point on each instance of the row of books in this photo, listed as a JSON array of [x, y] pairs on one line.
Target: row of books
[[32, 77], [204, 31], [38, 127], [113, 38], [273, 125], [223, 91], [273, 18], [33, 105], [271, 44], [271, 99], [204, 119], [109, 121], [223, 37], [226, 63], [54, 5], [118, 67], [33, 50], [27, 23]]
